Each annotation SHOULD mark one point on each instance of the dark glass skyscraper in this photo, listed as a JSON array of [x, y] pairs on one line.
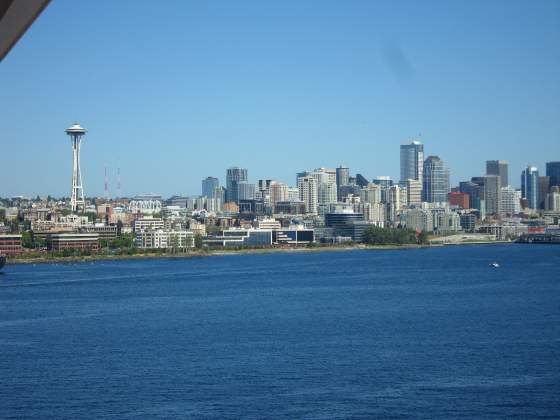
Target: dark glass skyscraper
[[234, 176], [530, 186], [342, 179], [553, 171], [412, 161], [435, 180], [209, 186], [499, 168]]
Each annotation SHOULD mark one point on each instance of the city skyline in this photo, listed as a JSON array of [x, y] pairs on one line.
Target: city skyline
[[224, 86]]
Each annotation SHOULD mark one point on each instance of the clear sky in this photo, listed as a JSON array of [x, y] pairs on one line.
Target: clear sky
[[174, 91]]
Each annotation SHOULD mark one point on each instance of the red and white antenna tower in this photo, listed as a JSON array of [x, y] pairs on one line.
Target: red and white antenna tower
[[119, 192]]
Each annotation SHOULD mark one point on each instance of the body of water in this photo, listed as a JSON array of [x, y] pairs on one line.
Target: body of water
[[430, 333]]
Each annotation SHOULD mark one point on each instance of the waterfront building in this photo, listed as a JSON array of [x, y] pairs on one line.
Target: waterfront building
[[234, 176], [468, 222], [160, 239], [510, 201], [239, 237], [459, 199], [553, 172], [435, 180], [10, 244], [209, 185], [412, 161], [413, 192], [530, 186], [499, 168], [73, 241], [293, 237], [492, 193], [268, 224], [343, 223]]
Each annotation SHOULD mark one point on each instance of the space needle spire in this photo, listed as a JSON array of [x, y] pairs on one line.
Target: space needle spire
[[76, 132]]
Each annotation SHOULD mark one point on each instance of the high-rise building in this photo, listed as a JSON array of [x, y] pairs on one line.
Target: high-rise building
[[492, 194], [553, 172], [412, 161], [209, 186], [278, 193], [234, 176], [342, 179], [308, 191], [530, 186], [553, 199], [245, 191], [500, 168], [510, 201], [435, 180], [544, 188], [413, 192]]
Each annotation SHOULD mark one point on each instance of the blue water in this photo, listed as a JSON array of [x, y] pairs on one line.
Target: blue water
[[429, 333]]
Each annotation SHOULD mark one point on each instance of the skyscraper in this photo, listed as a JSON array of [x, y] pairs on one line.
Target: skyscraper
[[342, 179], [412, 161], [234, 176], [492, 194], [435, 180], [530, 186], [308, 191], [209, 186], [544, 188], [500, 168], [553, 171]]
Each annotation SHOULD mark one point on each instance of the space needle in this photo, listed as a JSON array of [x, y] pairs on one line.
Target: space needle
[[76, 132]]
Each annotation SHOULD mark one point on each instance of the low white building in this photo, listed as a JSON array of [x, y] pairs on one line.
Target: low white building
[[148, 223], [160, 239]]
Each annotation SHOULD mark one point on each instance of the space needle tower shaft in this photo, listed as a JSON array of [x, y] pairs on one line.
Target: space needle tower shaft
[[76, 132]]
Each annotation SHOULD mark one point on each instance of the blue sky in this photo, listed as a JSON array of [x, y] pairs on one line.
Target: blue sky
[[174, 91]]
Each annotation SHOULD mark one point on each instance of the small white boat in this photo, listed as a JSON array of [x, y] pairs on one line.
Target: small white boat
[[494, 265]]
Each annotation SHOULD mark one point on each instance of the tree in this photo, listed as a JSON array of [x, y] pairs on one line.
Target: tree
[[198, 241]]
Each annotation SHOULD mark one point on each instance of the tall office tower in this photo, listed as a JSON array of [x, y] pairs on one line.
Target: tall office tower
[[209, 186], [342, 179], [544, 188], [394, 200], [553, 171], [412, 161], [278, 192], [510, 201], [435, 181], [413, 192], [530, 186], [326, 185], [245, 191], [77, 201], [500, 168], [492, 194], [234, 176], [308, 191]]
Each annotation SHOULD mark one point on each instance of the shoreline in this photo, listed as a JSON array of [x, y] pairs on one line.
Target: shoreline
[[223, 252]]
